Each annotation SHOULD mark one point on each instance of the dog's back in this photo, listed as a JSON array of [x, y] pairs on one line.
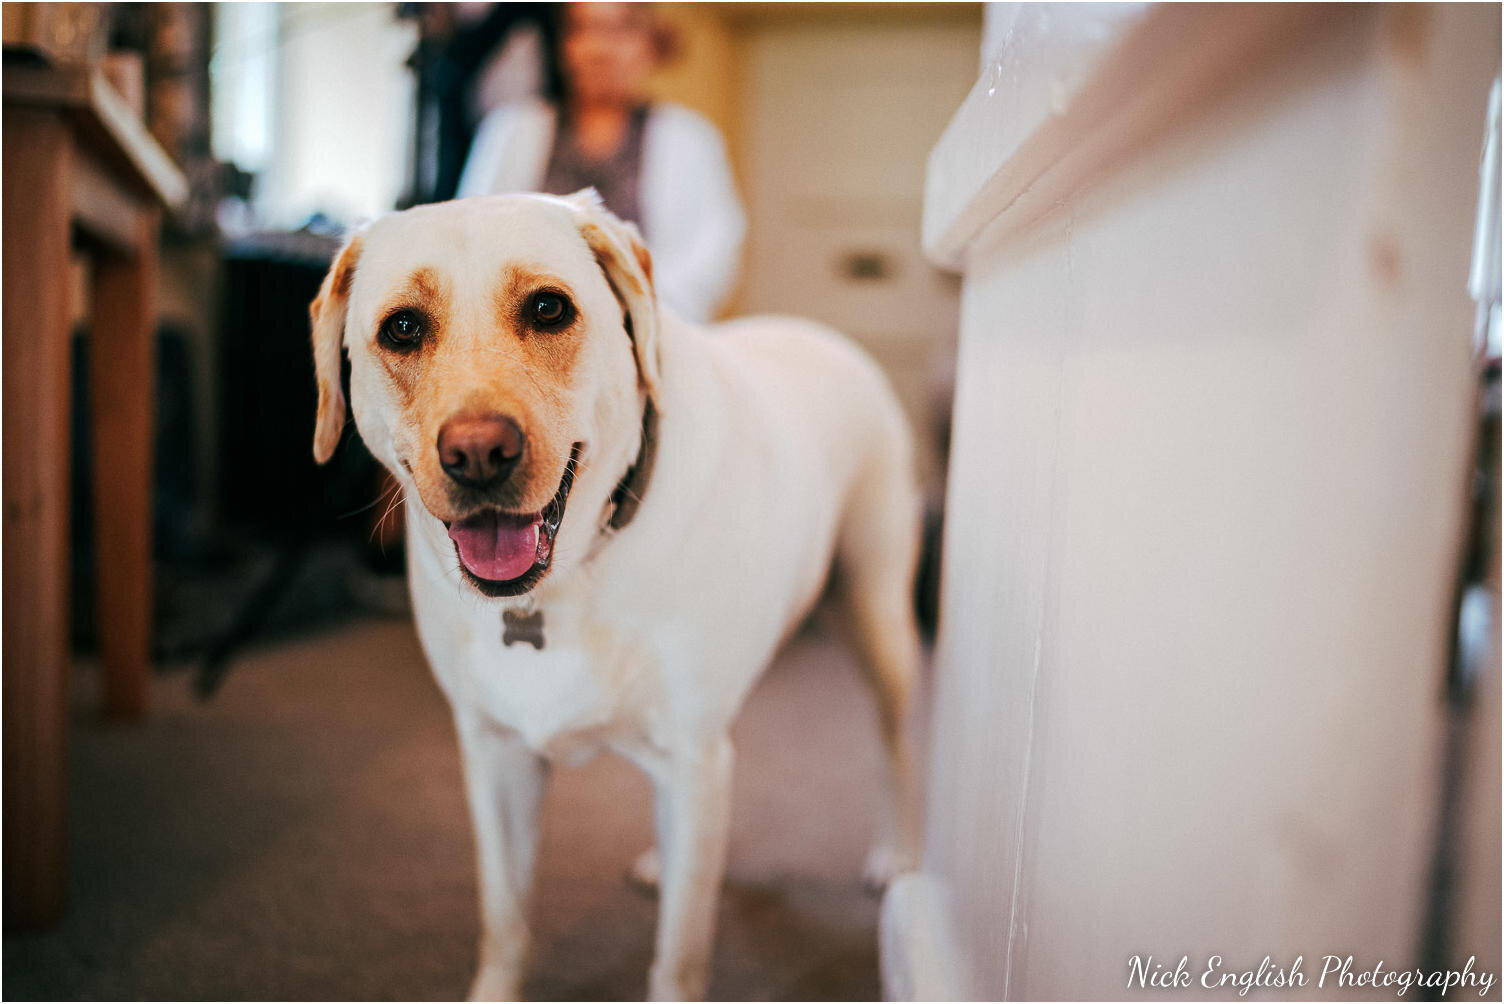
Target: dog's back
[[803, 458], [837, 394], [780, 423]]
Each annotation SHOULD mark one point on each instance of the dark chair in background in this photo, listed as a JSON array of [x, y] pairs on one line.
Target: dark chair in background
[[269, 486]]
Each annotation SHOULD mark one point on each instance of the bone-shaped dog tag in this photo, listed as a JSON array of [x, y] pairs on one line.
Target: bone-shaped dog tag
[[527, 628]]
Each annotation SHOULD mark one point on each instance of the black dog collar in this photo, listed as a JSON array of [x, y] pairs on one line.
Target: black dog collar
[[634, 484]]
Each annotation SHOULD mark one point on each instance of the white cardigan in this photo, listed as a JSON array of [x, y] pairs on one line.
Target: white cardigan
[[692, 219]]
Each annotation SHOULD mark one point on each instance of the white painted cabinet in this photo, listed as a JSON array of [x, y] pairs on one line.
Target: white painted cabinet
[[1212, 429], [838, 117]]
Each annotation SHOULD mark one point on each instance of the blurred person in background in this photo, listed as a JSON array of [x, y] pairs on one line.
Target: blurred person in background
[[657, 164]]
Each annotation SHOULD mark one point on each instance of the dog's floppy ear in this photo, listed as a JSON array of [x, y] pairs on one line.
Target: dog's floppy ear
[[327, 314], [619, 249]]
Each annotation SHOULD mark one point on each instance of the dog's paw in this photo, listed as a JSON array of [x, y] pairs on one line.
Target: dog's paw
[[496, 983], [885, 863], [678, 983], [645, 871]]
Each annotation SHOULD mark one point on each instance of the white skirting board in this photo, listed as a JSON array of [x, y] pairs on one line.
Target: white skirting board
[[917, 944]]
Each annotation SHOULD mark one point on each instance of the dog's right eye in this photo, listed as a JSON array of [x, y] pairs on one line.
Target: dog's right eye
[[403, 329]]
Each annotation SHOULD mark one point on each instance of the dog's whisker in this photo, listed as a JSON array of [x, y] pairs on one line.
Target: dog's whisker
[[378, 500], [398, 497]]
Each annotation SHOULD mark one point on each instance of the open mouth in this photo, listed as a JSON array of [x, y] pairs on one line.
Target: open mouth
[[506, 554]]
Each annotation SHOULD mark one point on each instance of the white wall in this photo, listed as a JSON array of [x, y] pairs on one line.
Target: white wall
[[1211, 436], [335, 137]]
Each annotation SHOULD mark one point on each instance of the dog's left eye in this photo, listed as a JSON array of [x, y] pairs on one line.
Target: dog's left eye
[[549, 310]]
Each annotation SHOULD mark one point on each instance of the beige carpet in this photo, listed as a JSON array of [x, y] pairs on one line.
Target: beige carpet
[[303, 836]]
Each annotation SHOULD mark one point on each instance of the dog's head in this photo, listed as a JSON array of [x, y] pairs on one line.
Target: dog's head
[[503, 351]]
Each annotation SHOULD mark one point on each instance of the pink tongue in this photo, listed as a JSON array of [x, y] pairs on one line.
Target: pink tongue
[[494, 549]]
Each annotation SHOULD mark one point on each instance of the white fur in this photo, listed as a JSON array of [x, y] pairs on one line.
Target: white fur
[[780, 447]]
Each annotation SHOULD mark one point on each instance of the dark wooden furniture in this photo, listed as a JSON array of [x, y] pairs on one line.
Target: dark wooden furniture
[[81, 176]]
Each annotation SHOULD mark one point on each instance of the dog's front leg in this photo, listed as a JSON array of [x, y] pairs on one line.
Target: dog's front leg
[[691, 814], [504, 783]]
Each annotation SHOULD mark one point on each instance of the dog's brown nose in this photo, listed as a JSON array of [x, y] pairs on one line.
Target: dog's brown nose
[[479, 450]]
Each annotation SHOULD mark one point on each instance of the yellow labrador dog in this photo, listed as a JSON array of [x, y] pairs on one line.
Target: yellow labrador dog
[[613, 520]]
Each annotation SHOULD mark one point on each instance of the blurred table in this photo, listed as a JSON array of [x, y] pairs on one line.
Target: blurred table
[[82, 176]]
